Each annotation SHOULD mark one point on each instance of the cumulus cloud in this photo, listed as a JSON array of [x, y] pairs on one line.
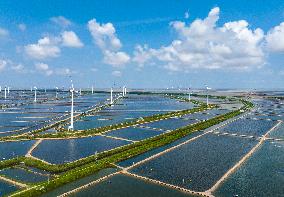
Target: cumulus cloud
[[61, 21], [45, 48], [116, 73], [115, 59], [3, 64], [18, 68], [49, 47], [70, 39], [22, 27], [64, 71], [204, 45], [275, 38], [3, 32], [43, 68], [104, 36]]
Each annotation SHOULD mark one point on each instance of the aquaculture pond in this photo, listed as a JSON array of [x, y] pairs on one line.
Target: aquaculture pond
[[246, 126], [67, 150], [23, 175], [147, 154], [132, 133], [108, 117], [6, 188], [199, 164], [13, 149], [80, 182], [278, 132], [170, 124], [261, 175], [127, 186], [34, 114]]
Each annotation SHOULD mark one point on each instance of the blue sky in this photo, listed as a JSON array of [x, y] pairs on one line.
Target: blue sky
[[143, 43]]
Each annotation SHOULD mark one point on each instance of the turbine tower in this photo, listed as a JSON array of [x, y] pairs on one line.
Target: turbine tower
[[123, 91], [35, 93], [8, 90], [207, 88], [0, 89], [92, 89], [111, 98], [71, 127], [5, 92], [56, 92]]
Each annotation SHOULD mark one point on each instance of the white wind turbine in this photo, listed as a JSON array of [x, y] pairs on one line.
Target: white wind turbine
[[111, 96], [5, 93], [71, 127], [35, 93], [56, 93], [92, 89], [207, 88]]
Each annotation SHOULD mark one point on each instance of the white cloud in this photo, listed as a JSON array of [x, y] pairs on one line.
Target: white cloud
[[104, 36], [275, 38], [45, 48], [22, 27], [203, 45], [3, 64], [116, 73], [44, 68], [94, 69], [70, 39], [186, 15], [116, 59], [64, 71], [62, 21], [18, 68], [3, 32]]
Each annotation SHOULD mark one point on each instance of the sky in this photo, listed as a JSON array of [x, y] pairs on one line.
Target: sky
[[235, 44]]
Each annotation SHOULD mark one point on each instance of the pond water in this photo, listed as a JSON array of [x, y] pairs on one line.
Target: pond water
[[23, 175], [199, 164], [67, 150], [261, 175], [6, 188], [249, 127], [126, 186], [134, 133], [10, 150]]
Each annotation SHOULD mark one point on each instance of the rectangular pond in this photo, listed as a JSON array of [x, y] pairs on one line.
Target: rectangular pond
[[127, 186], [134, 133], [199, 164], [261, 175], [68, 150], [249, 127]]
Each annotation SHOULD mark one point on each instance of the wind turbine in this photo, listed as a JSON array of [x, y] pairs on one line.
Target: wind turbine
[[0, 89], [5, 92], [8, 90], [71, 127], [92, 89], [207, 88], [189, 94], [123, 91], [35, 93], [56, 92], [111, 98]]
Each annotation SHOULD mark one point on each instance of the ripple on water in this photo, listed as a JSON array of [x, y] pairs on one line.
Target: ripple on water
[[261, 175], [199, 164], [67, 150], [126, 186]]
